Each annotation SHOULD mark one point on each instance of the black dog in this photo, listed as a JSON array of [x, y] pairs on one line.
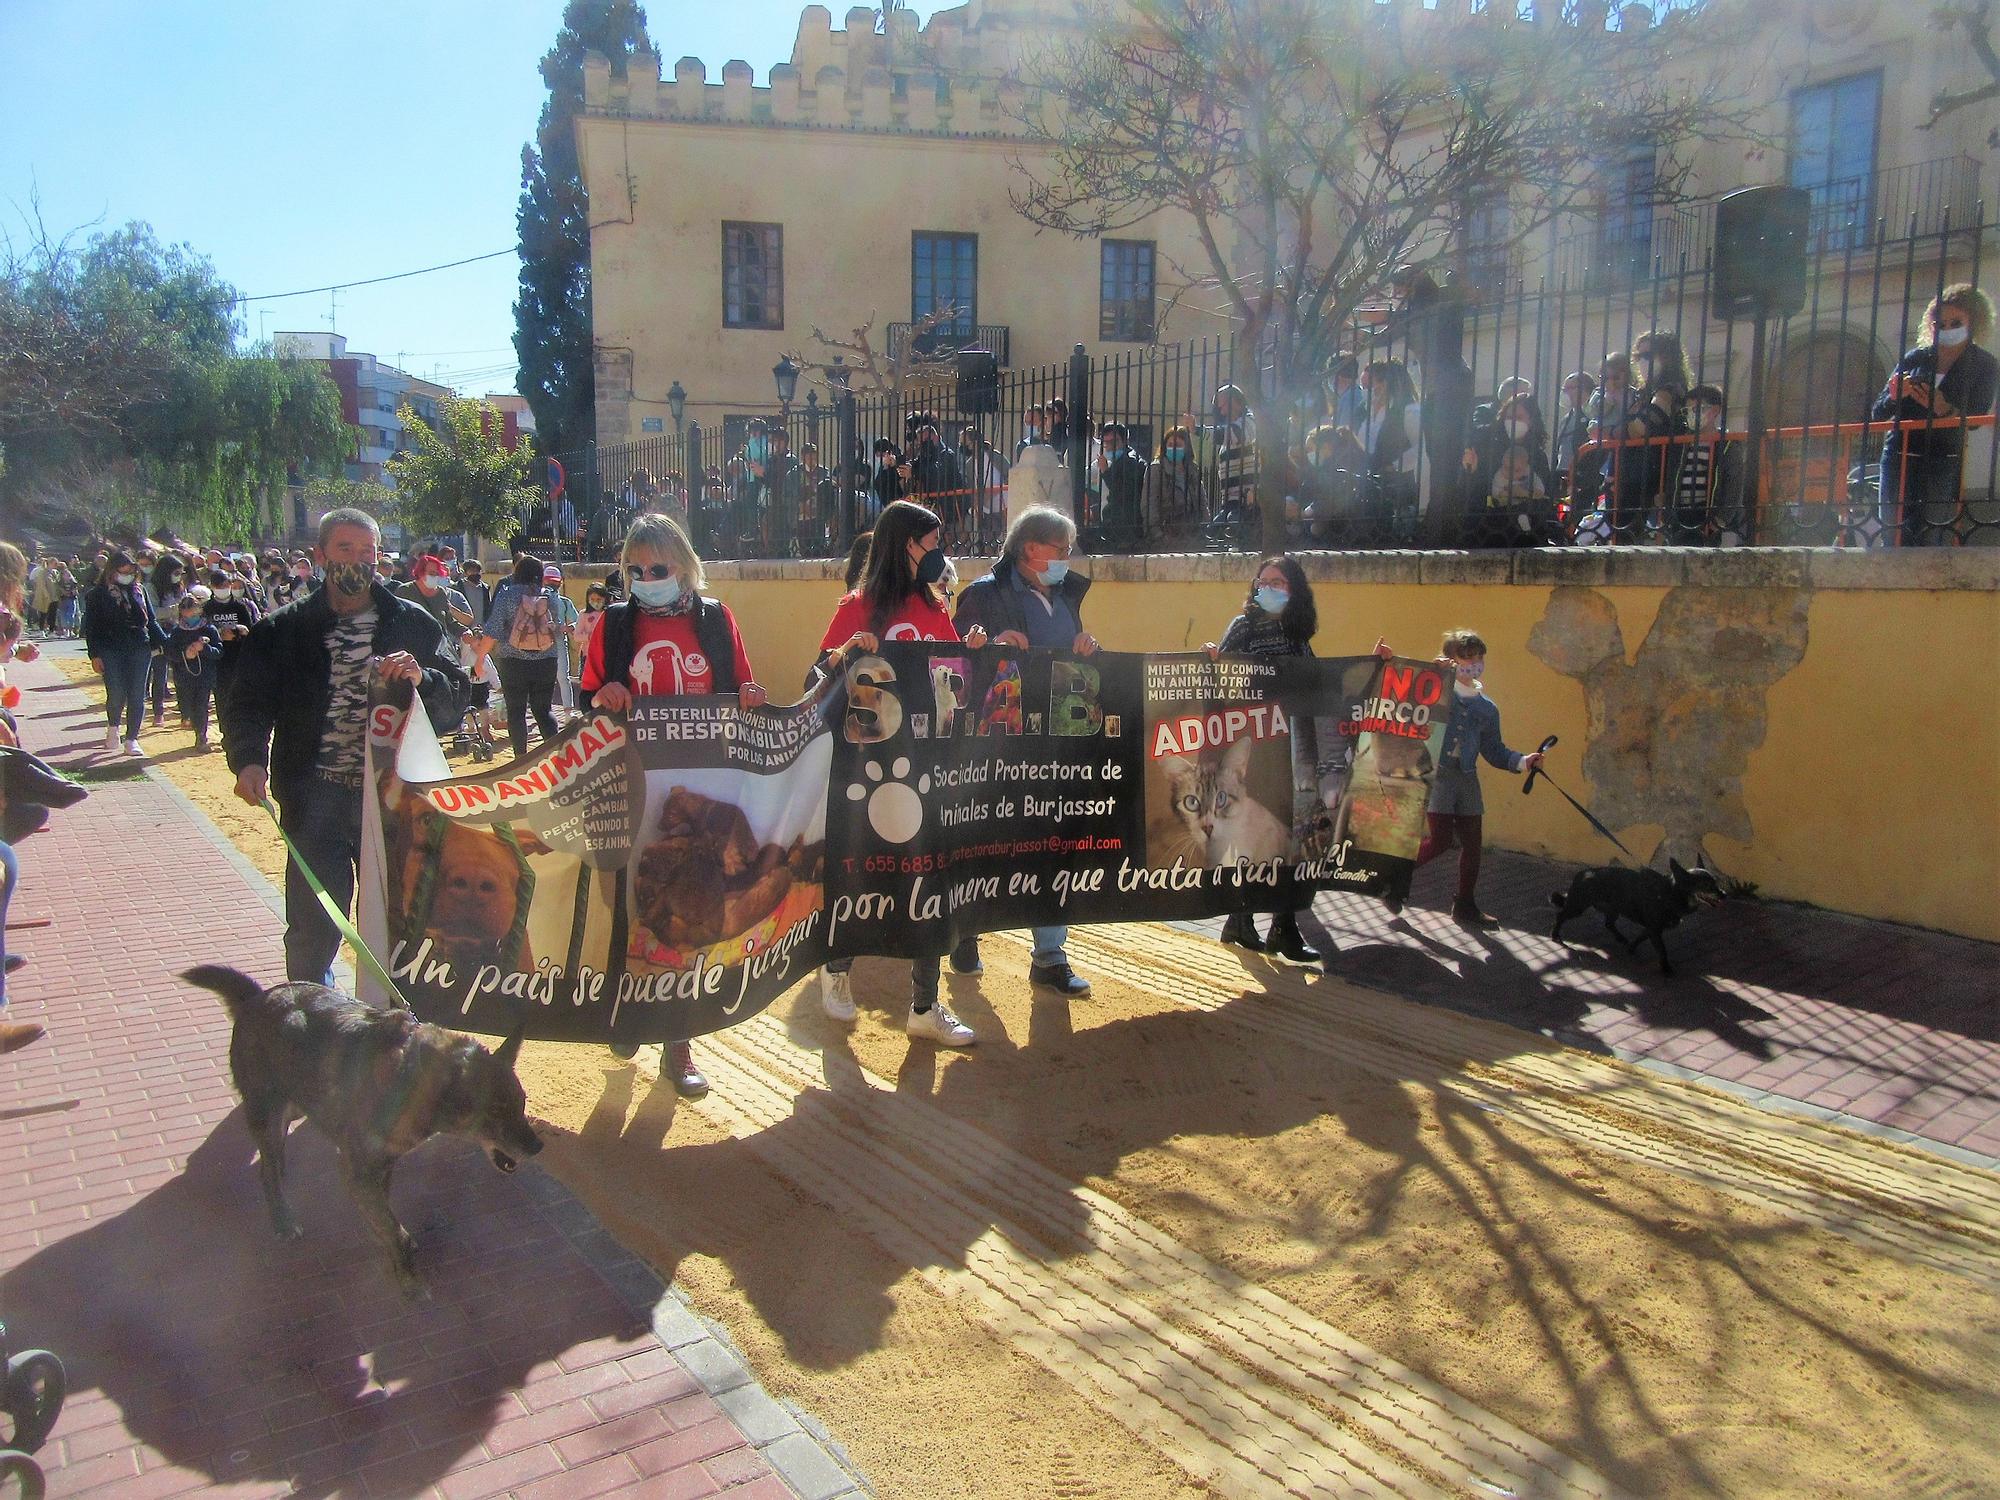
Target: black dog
[[1655, 901], [379, 1082]]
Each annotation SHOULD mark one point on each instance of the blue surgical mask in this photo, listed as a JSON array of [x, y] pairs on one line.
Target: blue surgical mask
[[1271, 601], [656, 593], [1055, 573], [1175, 455]]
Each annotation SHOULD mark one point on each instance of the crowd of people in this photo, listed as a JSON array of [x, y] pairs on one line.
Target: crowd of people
[[1394, 447], [281, 649]]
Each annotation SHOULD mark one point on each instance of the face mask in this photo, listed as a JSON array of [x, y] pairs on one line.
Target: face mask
[[1951, 338], [428, 583], [302, 574], [1470, 671], [757, 450], [124, 580], [191, 620], [351, 578], [930, 567], [656, 593], [1517, 429], [1271, 601], [1175, 455], [1055, 573]]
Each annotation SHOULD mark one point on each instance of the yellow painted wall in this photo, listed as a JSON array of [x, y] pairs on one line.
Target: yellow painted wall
[[1876, 790], [849, 201]]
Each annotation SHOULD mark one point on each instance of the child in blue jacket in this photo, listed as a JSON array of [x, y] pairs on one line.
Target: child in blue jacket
[[194, 648], [1456, 810]]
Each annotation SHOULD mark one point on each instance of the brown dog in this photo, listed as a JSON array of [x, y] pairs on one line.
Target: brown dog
[[378, 1082], [478, 888]]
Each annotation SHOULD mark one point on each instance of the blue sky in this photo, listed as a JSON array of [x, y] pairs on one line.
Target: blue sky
[[301, 142]]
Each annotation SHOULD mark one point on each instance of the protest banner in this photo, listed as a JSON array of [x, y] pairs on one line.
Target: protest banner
[[670, 872]]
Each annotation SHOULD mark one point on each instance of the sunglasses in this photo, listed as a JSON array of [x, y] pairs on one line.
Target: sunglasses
[[652, 570]]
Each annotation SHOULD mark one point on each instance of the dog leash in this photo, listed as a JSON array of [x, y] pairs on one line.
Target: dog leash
[[333, 909], [1529, 785]]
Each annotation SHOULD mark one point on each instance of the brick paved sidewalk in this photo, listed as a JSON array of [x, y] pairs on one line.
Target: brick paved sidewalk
[[1890, 1026], [202, 1354]]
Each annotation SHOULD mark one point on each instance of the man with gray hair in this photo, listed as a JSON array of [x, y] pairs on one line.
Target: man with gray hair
[[1031, 599], [297, 709]]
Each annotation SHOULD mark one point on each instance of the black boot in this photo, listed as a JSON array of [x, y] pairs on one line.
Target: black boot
[[1288, 942], [1240, 931]]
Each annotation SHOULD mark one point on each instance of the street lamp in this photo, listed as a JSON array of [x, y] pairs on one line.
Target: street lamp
[[837, 374], [786, 373], [677, 403]]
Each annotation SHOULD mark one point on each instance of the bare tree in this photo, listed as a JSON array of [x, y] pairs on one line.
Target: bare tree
[[1314, 145], [1975, 19], [884, 368]]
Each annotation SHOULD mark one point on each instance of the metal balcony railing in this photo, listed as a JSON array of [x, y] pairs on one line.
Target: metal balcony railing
[[938, 343], [1638, 243]]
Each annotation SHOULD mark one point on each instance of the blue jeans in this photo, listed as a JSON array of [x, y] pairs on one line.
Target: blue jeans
[[126, 669], [1049, 946], [10, 870], [323, 821]]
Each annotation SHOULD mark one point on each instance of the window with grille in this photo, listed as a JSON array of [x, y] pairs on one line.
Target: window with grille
[[1834, 130], [944, 273], [1125, 291], [1483, 235], [1625, 223], [753, 276]]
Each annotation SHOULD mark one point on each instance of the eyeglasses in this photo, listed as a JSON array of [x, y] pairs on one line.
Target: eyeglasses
[[652, 570]]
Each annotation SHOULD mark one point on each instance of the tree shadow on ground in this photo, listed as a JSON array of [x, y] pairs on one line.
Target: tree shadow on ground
[[246, 1359]]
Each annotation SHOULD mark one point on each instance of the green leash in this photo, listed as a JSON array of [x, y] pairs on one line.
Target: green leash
[[333, 909]]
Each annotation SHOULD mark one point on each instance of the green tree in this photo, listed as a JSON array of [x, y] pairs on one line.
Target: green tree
[[552, 314], [122, 397], [460, 477]]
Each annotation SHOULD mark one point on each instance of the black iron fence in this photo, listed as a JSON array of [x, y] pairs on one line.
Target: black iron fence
[[1808, 446]]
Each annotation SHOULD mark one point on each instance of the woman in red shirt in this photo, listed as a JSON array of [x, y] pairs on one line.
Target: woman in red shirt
[[900, 598], [668, 639]]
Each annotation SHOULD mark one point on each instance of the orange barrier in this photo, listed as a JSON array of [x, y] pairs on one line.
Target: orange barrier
[[1802, 470]]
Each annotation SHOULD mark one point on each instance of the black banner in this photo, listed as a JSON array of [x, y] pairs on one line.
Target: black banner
[[671, 873]]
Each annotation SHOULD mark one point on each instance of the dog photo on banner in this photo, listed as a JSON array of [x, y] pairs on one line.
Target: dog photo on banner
[[670, 872]]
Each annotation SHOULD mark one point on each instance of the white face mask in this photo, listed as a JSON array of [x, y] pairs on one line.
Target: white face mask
[[1517, 429], [1951, 338]]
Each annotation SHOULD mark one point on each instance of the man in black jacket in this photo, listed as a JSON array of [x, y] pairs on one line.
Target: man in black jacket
[[295, 715]]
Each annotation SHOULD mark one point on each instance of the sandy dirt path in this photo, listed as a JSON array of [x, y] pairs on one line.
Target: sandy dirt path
[[1229, 1229]]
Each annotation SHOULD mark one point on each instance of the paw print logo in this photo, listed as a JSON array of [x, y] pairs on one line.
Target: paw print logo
[[895, 808]]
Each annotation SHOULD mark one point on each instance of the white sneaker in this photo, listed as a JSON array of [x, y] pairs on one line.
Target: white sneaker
[[132, 747], [836, 995], [939, 1025], [111, 738]]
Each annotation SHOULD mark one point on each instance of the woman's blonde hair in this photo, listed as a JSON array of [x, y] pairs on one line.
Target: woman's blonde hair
[[1968, 299], [653, 532], [13, 570]]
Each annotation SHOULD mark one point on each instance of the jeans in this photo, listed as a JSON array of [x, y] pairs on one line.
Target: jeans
[[1049, 946], [159, 675], [529, 682], [125, 673], [194, 693], [10, 871], [323, 821], [923, 978]]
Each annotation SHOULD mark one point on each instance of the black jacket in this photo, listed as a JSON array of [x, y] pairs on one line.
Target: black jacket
[[116, 619], [992, 602], [274, 712]]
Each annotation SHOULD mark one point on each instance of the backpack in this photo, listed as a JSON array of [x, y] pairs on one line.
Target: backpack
[[533, 629]]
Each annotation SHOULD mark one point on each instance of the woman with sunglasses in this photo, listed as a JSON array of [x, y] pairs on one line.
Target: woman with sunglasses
[[900, 598], [666, 639]]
